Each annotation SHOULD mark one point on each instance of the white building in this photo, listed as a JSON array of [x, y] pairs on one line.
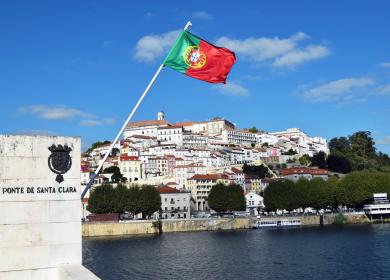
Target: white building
[[239, 137], [170, 134], [182, 173], [130, 167], [200, 186], [294, 174], [148, 128], [175, 204], [254, 202]]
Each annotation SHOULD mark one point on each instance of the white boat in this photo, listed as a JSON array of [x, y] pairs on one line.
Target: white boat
[[277, 223], [379, 208]]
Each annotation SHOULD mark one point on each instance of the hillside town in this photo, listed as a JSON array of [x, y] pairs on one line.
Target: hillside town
[[184, 160]]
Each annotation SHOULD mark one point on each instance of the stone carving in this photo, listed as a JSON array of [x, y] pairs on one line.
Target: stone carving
[[60, 161]]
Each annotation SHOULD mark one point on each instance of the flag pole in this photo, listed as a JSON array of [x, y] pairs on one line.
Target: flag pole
[[88, 186]]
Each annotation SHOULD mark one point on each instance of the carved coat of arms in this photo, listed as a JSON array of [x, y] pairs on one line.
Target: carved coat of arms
[[59, 161]]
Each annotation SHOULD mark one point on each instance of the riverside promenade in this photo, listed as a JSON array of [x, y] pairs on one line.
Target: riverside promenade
[[93, 229]]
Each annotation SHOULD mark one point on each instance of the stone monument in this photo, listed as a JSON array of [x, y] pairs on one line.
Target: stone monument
[[40, 208]]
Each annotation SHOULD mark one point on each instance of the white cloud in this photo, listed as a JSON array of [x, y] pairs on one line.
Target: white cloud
[[231, 89], [279, 52], [297, 57], [58, 112], [384, 141], [151, 47], [202, 15], [96, 122], [383, 90], [34, 132], [335, 90], [385, 64]]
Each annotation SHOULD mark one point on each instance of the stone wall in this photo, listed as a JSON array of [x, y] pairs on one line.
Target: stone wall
[[151, 227], [40, 218], [183, 225]]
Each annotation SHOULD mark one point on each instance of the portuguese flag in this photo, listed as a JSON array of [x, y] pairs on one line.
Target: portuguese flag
[[199, 59]]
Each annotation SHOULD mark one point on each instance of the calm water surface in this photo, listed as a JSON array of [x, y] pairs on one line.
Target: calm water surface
[[351, 252]]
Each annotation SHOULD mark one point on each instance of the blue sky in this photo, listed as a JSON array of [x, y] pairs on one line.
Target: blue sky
[[78, 67]]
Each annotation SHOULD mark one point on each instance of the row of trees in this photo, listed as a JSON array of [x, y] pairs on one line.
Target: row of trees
[[226, 198], [353, 153], [107, 199], [353, 190]]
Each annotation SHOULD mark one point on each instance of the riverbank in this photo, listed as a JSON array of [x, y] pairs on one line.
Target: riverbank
[[210, 224]]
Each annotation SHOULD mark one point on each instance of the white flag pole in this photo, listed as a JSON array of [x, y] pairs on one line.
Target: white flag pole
[[88, 186]]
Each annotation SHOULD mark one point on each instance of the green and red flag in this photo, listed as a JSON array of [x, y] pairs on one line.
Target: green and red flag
[[199, 59]]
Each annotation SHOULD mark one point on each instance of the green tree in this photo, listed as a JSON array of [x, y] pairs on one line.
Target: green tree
[[319, 160], [224, 198], [217, 198], [253, 129], [134, 201], [305, 160], [290, 152], [337, 162], [97, 145], [120, 198], [102, 200], [116, 176], [362, 144], [260, 171], [340, 144], [151, 200]]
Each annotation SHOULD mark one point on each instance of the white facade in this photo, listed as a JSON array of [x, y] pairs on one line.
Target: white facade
[[130, 168], [170, 134], [254, 202], [239, 137], [175, 204]]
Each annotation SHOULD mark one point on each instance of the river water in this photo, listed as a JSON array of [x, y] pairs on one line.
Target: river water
[[349, 252]]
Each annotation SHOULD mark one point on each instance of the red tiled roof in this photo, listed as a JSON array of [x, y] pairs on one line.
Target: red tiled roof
[[171, 127], [209, 177], [142, 137], [166, 189], [147, 123], [186, 123], [128, 158], [236, 170], [312, 171], [190, 165]]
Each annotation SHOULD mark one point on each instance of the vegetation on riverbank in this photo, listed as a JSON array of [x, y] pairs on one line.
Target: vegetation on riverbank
[[353, 190], [107, 199], [226, 198]]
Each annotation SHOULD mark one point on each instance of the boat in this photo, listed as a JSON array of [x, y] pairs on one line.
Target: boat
[[379, 208], [277, 223]]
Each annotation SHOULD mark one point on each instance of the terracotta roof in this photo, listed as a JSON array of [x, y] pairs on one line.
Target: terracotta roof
[[170, 127], [187, 123], [147, 123], [236, 170], [312, 171], [190, 165], [166, 189], [142, 137], [209, 177], [128, 158]]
